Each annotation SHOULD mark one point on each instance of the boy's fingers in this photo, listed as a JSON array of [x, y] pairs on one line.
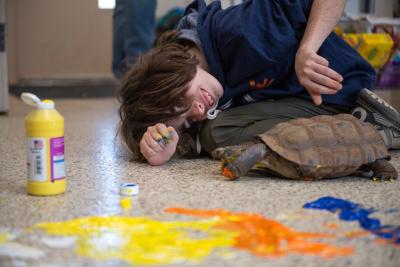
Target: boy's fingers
[[155, 135], [159, 133], [162, 130], [321, 60], [146, 150], [315, 88], [325, 81], [174, 137], [316, 98], [326, 71], [151, 143]]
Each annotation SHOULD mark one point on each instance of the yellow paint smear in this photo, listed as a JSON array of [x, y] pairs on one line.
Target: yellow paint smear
[[126, 203], [142, 240], [3, 238], [264, 237], [357, 234]]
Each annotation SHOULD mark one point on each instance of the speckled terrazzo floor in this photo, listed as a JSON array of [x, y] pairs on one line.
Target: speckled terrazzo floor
[[95, 167]]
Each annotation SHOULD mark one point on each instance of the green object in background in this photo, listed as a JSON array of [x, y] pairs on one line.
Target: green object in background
[[372, 53], [170, 19]]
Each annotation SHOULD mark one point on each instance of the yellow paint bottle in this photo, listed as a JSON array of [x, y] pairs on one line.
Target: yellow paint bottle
[[45, 147]]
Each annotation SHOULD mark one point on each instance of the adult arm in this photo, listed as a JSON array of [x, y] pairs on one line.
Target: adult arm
[[313, 70]]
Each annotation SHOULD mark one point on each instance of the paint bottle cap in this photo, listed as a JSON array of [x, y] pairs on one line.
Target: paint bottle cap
[[129, 189], [35, 101]]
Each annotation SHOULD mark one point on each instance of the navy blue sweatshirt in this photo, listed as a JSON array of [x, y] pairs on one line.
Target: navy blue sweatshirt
[[251, 48]]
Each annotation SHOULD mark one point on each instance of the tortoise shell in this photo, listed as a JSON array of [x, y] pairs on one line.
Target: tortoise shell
[[334, 145]]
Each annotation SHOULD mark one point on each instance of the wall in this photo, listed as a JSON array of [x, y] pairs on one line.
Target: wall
[[3, 62], [382, 8], [164, 5], [53, 39]]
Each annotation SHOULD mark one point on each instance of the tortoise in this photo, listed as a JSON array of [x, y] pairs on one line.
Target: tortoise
[[324, 146]]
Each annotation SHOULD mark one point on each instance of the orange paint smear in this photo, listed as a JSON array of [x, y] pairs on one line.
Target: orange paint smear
[[267, 238], [356, 234], [227, 173], [381, 241], [332, 226]]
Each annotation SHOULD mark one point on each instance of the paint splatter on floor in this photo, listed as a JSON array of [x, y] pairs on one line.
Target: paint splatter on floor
[[17, 250], [332, 226], [3, 237], [143, 241], [59, 241], [264, 237], [139, 240], [350, 211], [146, 241]]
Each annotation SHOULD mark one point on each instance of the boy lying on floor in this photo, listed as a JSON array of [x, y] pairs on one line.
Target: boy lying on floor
[[281, 55]]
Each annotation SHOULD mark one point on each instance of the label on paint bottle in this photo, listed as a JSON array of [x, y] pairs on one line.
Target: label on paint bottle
[[37, 165], [57, 158]]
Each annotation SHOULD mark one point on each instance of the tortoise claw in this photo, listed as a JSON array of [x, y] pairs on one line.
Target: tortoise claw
[[381, 178], [390, 179]]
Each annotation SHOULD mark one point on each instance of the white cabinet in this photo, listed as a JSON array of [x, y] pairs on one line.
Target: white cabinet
[[381, 8]]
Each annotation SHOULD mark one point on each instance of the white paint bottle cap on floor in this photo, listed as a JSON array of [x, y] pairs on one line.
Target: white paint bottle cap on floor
[[129, 189]]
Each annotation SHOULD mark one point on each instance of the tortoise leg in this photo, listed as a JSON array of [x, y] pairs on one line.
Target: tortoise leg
[[239, 164], [382, 170], [230, 151]]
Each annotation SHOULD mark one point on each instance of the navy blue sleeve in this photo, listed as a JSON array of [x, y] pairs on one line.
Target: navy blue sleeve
[[356, 71], [258, 40], [256, 43], [258, 34]]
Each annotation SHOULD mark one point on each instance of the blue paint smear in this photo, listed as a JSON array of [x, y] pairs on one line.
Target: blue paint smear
[[350, 211]]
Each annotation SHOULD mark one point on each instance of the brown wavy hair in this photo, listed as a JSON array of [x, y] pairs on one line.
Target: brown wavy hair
[[153, 89]]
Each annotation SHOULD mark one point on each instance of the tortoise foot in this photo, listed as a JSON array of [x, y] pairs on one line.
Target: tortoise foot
[[237, 162], [229, 170], [383, 179], [228, 156], [383, 170], [230, 151]]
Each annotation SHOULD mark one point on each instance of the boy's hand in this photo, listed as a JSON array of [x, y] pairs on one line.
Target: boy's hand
[[158, 144], [315, 75]]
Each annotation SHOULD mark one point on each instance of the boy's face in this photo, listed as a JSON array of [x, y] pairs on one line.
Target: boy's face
[[203, 93]]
